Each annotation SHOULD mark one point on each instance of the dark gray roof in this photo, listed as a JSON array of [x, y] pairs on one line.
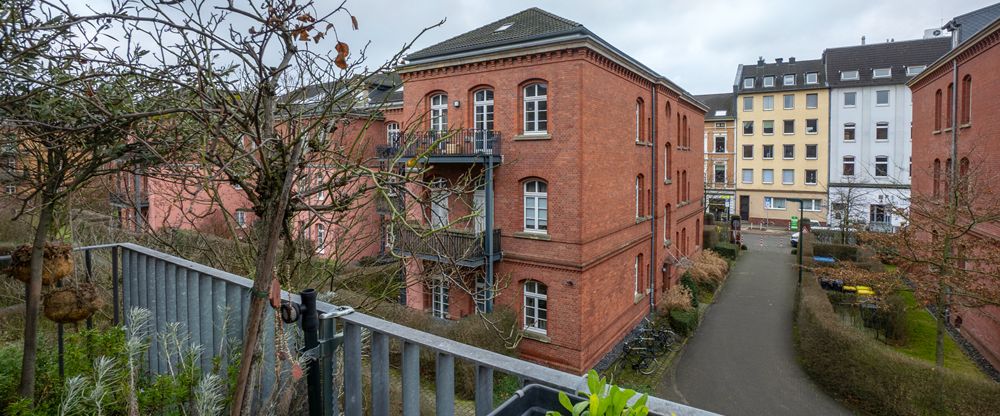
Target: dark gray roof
[[971, 23], [894, 55], [530, 24], [716, 103], [759, 70]]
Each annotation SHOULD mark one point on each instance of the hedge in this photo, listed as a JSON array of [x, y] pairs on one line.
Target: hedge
[[842, 252], [874, 378], [684, 322], [692, 287], [727, 250]]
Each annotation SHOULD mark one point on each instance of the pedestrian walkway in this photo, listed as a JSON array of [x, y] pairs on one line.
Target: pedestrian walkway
[[741, 361]]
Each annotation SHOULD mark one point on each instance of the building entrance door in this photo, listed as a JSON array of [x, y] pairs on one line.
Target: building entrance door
[[745, 207]]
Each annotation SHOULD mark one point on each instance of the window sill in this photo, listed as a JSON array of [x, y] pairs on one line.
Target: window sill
[[767, 183], [936, 132], [812, 134], [788, 134], [644, 144], [812, 158], [947, 130], [768, 158], [666, 243], [533, 236], [810, 184], [639, 220], [774, 209], [527, 333], [636, 298], [788, 158], [767, 134], [811, 108], [965, 126], [530, 137], [667, 181]]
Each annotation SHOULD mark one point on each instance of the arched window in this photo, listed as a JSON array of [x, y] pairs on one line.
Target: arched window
[[666, 160], [640, 118], [683, 185], [966, 117], [684, 241], [536, 207], [697, 232], [640, 192], [439, 112], [536, 308], [963, 174], [320, 238], [392, 133], [666, 223], [680, 141], [848, 166], [637, 274], [686, 140], [536, 119], [947, 111], [948, 169], [677, 175], [937, 178], [482, 109], [937, 110]]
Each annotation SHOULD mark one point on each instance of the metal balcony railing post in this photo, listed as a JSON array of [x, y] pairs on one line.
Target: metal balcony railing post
[[309, 320]]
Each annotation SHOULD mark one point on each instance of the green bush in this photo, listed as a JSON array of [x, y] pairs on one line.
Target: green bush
[[727, 250], [692, 287], [842, 252], [710, 237], [896, 324], [873, 377], [684, 322]]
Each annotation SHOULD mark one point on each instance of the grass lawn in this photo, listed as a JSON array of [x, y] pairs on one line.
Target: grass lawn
[[921, 340]]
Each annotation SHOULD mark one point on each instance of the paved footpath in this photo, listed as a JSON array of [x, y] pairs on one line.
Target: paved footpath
[[741, 361]]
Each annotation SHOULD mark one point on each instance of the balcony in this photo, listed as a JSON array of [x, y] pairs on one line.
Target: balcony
[[127, 198], [463, 248], [720, 185], [353, 356], [452, 146]]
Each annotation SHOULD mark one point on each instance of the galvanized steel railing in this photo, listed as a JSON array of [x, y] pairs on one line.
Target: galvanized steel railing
[[194, 295]]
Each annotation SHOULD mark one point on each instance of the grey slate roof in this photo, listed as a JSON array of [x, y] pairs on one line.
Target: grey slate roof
[[971, 23], [716, 103], [894, 55], [527, 25], [758, 71]]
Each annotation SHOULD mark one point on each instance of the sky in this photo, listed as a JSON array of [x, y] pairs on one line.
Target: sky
[[696, 44]]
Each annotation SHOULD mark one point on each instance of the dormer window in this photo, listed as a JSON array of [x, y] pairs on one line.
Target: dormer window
[[748, 82], [849, 75], [504, 27], [769, 81], [788, 80], [812, 77], [914, 70], [882, 73]]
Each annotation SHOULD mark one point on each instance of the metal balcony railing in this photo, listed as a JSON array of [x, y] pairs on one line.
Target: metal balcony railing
[[210, 306], [466, 248], [449, 143]]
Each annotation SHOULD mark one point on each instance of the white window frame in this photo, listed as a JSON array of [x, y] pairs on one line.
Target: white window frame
[[763, 176], [743, 153], [787, 146], [320, 238], [635, 277], [784, 179], [481, 295], [744, 175], [785, 78], [877, 163], [873, 213], [763, 152], [814, 205], [879, 73], [812, 77], [915, 70], [744, 127], [814, 146], [715, 171], [764, 101], [849, 75], [747, 100], [392, 133], [241, 218], [853, 94], [768, 78], [440, 211], [763, 128], [805, 178], [770, 203], [538, 115], [715, 142], [880, 125], [10, 189], [815, 126], [638, 123], [482, 105], [748, 82], [720, 124], [439, 297], [785, 105], [784, 124], [854, 128], [531, 202], [439, 112], [533, 297], [814, 106], [638, 197], [888, 98], [854, 167]]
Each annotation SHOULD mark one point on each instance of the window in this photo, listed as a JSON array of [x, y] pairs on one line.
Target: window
[[640, 191], [241, 218], [788, 101], [768, 151], [392, 133], [503, 27], [720, 125], [812, 100], [320, 238], [768, 102], [788, 127], [439, 112], [812, 125], [937, 177], [10, 189], [774, 203], [536, 109], [812, 204], [768, 126], [747, 82], [882, 130], [535, 307], [848, 75], [747, 103], [769, 81], [848, 165], [811, 151], [767, 176], [937, 110], [439, 204], [439, 297], [849, 132], [788, 80], [483, 110], [748, 128], [636, 274], [666, 161], [720, 144], [850, 99], [812, 77], [638, 120], [748, 151], [788, 151], [878, 214], [810, 176], [882, 97], [914, 70], [947, 110], [966, 101], [482, 294], [788, 176], [882, 73], [720, 173], [747, 175], [881, 166], [536, 207]]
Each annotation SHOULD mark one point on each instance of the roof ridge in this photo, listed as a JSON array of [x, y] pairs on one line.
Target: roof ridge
[[549, 14], [893, 42]]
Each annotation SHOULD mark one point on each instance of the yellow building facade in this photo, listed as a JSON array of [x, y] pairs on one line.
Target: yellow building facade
[[782, 132]]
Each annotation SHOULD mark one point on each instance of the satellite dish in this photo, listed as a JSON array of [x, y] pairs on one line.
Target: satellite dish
[[937, 32]]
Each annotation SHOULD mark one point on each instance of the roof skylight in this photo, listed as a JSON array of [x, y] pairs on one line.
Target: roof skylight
[[504, 27]]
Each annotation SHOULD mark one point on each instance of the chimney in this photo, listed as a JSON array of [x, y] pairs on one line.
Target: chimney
[[760, 61], [791, 59], [862, 40], [778, 60]]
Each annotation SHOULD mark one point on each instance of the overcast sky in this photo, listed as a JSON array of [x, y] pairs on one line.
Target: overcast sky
[[697, 44]]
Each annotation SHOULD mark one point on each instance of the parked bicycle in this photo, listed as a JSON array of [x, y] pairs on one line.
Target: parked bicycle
[[641, 357]]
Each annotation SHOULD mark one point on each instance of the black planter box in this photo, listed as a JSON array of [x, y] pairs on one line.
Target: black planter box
[[533, 400]]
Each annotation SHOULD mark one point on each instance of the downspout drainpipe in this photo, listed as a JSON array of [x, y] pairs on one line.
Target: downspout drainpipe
[[652, 199], [953, 175]]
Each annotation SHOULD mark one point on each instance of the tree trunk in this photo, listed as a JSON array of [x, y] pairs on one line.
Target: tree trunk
[[33, 298]]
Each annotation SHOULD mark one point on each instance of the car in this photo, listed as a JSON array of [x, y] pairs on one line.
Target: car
[[795, 240]]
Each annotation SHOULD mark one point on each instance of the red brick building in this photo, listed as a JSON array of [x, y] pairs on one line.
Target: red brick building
[[955, 102], [593, 183]]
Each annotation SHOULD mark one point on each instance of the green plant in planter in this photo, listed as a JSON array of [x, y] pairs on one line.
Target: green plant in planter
[[601, 401]]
